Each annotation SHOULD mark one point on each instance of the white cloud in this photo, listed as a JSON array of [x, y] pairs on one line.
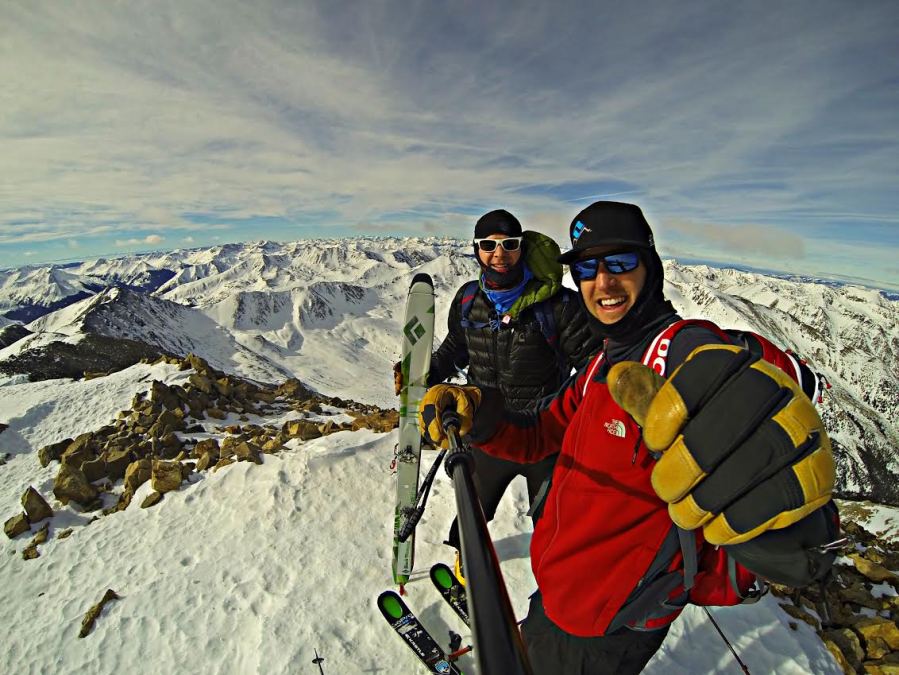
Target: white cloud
[[188, 239], [149, 239], [281, 116]]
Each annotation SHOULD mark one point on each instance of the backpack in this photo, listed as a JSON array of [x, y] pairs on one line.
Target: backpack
[[698, 574], [542, 312], [813, 384]]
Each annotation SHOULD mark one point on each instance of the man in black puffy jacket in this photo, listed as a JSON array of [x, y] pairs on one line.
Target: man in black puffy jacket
[[519, 331]]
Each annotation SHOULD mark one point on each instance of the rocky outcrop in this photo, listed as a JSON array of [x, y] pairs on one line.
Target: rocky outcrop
[[93, 354], [856, 611], [153, 439]]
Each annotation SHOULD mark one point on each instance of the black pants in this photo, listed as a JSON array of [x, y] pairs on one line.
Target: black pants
[[491, 478], [552, 651]]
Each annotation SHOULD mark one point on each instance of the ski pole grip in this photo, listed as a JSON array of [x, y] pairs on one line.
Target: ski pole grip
[[458, 452], [451, 422]]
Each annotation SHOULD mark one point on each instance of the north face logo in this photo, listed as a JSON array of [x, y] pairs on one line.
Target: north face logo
[[616, 428]]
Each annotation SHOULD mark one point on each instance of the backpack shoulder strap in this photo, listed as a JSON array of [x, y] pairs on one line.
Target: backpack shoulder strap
[[656, 356], [543, 312], [469, 292]]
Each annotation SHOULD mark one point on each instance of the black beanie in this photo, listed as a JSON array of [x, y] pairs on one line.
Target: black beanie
[[617, 223], [499, 221]]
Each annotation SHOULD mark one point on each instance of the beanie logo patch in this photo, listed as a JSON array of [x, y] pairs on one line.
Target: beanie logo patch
[[578, 229]]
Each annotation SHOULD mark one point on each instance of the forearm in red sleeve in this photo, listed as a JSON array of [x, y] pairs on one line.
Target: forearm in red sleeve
[[526, 436]]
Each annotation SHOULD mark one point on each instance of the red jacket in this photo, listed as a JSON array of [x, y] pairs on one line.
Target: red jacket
[[603, 525]]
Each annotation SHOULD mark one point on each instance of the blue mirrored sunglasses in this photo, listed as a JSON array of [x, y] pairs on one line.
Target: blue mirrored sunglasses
[[616, 263]]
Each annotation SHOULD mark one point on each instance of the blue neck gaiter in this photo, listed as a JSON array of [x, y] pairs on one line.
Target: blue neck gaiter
[[503, 299]]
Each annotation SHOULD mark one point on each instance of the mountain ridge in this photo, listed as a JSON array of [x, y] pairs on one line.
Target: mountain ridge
[[328, 311]]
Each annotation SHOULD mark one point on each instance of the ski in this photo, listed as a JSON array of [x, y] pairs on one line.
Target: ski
[[418, 342], [451, 590], [415, 635]]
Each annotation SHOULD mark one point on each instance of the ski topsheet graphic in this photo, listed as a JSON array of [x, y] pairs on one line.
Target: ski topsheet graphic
[[451, 590], [418, 341], [415, 635]]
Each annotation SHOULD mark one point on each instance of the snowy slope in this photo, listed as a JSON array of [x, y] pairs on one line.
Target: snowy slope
[[251, 568]]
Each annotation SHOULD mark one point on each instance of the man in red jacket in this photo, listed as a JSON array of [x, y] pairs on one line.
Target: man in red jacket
[[729, 452]]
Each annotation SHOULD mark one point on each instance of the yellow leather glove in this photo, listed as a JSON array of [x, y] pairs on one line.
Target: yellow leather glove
[[397, 377], [442, 397], [743, 450]]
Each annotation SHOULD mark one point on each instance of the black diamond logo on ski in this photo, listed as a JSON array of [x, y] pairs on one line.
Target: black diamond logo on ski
[[414, 330]]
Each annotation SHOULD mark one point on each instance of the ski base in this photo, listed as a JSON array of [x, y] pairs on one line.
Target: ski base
[[415, 635]]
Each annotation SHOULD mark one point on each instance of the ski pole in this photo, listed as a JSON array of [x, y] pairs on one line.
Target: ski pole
[[318, 661], [415, 514], [726, 641], [498, 645]]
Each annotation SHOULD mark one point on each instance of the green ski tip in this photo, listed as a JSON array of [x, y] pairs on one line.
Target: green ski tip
[[443, 577], [392, 606]]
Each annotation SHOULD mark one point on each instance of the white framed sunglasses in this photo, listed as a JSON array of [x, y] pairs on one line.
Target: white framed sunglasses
[[489, 245]]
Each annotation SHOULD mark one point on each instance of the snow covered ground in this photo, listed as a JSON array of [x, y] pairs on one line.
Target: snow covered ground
[[253, 568]]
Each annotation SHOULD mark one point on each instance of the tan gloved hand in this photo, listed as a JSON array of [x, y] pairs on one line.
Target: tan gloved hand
[[441, 397], [743, 448], [397, 377]]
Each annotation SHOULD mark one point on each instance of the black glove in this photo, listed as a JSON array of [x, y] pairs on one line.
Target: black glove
[[743, 449]]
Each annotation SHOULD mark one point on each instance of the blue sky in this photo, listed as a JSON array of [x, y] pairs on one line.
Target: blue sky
[[759, 133]]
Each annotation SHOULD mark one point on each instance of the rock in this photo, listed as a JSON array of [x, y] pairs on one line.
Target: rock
[[65, 534], [79, 451], [216, 413], [169, 446], [16, 525], [207, 446], [72, 485], [248, 452], [41, 536], [162, 394], [52, 452], [302, 429], [225, 461], [881, 668], [137, 474], [93, 375], [294, 389], [839, 657], [166, 476], [151, 499], [30, 552], [117, 462], [87, 623], [849, 645], [36, 507], [94, 469], [271, 446], [197, 363], [233, 429], [797, 613], [878, 628], [166, 423], [202, 383], [873, 571]]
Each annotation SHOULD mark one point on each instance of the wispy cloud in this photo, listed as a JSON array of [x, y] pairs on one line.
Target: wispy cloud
[[149, 239], [707, 113]]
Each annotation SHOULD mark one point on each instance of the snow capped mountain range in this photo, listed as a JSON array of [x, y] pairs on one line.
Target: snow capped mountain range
[[329, 312]]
